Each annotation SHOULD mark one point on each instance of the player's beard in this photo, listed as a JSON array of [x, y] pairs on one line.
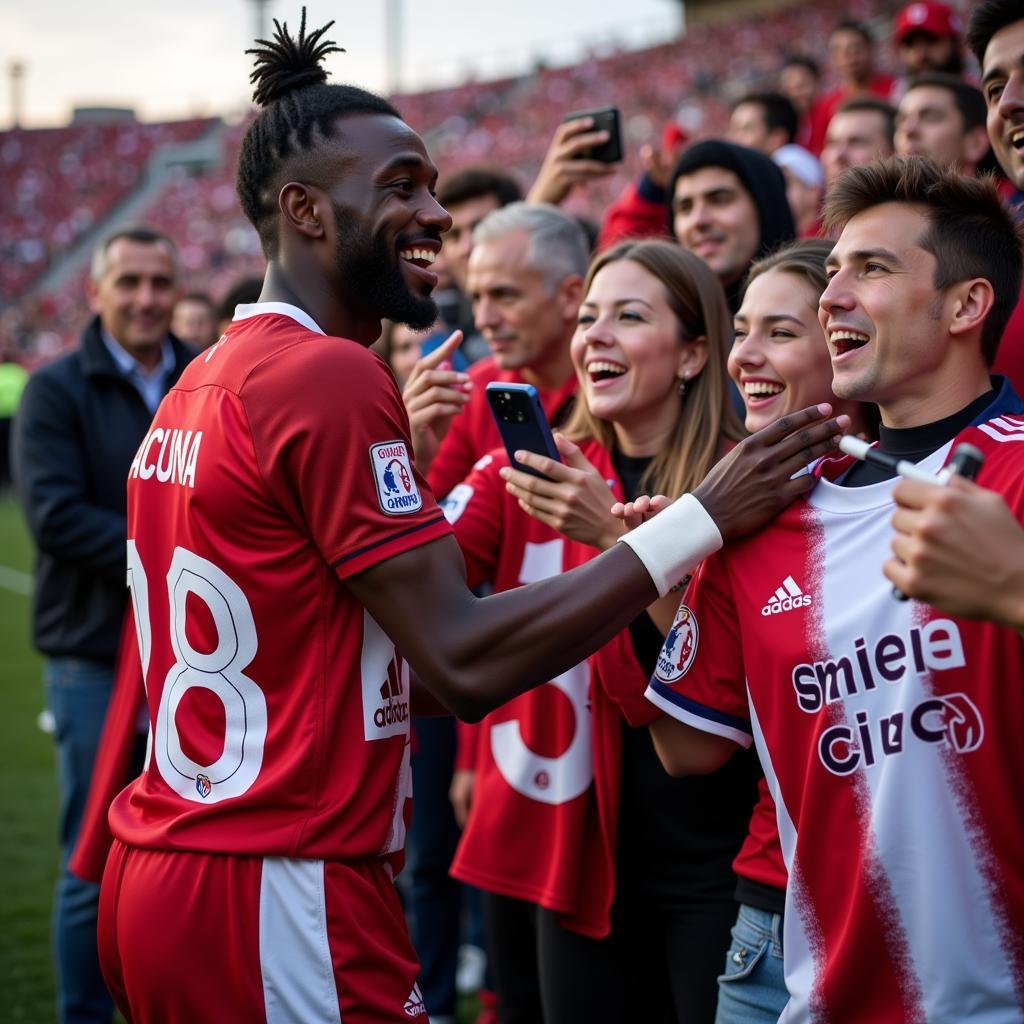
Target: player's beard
[[371, 271]]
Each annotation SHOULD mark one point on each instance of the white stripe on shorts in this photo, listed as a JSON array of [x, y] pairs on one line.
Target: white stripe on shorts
[[295, 958]]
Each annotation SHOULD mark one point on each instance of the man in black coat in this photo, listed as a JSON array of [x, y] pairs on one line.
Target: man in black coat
[[80, 422]]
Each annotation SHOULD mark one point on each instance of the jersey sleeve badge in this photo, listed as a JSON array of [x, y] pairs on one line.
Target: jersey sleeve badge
[[397, 492], [680, 647]]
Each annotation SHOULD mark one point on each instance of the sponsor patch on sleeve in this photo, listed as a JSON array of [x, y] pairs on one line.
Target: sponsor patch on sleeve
[[397, 492], [680, 647]]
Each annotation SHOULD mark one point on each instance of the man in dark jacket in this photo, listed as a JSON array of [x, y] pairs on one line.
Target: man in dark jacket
[[80, 422]]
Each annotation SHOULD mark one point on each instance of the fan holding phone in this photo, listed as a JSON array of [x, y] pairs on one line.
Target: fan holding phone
[[651, 415], [586, 146]]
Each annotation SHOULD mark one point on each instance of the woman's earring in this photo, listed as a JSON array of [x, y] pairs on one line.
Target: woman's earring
[[682, 385]]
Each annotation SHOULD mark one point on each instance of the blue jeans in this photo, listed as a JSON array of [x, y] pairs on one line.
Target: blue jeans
[[753, 988], [77, 693]]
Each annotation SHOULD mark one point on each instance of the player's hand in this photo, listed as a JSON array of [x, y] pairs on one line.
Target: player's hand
[[575, 500], [433, 395], [754, 482], [461, 794], [640, 509], [562, 169], [960, 549]]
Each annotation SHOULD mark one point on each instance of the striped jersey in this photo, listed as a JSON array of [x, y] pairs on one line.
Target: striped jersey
[[889, 733]]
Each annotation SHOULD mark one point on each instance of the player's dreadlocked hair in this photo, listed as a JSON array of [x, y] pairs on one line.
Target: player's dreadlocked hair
[[291, 87]]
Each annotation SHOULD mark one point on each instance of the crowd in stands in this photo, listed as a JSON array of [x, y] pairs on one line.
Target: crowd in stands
[[611, 847], [57, 183]]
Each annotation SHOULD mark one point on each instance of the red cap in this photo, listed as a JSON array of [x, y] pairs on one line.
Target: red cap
[[939, 20]]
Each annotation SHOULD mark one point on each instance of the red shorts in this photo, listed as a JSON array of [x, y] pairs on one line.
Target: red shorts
[[187, 938]]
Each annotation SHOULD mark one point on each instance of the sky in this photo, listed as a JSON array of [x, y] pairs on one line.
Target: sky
[[180, 58]]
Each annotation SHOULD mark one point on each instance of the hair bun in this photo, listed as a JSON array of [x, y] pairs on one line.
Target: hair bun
[[284, 64]]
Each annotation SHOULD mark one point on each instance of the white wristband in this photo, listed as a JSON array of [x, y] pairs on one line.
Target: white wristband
[[674, 541]]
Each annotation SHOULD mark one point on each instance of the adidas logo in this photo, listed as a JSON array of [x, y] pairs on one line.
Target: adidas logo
[[395, 708], [392, 686], [786, 598], [414, 1004]]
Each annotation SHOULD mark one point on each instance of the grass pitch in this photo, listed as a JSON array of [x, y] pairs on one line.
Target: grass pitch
[[28, 796], [28, 800]]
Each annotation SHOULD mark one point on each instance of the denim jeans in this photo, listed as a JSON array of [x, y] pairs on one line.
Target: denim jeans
[[77, 693], [753, 988]]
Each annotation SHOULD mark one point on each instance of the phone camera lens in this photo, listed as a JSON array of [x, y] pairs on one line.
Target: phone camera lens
[[520, 417]]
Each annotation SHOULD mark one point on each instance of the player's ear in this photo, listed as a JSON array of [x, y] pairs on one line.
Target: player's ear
[[301, 210]]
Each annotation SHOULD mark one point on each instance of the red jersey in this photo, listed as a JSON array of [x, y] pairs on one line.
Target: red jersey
[[889, 736], [473, 432], [760, 856], [883, 87], [542, 826], [277, 467]]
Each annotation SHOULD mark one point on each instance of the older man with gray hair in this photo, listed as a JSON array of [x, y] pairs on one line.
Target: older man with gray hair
[[80, 421], [525, 280]]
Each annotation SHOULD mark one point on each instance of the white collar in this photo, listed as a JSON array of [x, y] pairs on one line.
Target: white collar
[[248, 310]]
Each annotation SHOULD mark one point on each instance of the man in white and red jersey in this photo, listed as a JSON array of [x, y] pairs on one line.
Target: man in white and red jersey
[[280, 544], [525, 281], [887, 730]]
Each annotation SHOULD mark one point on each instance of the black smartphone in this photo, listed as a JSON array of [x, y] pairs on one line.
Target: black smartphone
[[521, 422], [605, 119]]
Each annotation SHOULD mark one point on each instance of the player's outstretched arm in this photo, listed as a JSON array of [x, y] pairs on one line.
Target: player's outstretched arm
[[960, 549], [476, 654]]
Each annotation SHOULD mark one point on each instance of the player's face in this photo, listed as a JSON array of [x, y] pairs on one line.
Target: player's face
[[136, 294], [628, 353], [523, 318], [1003, 85], [387, 223], [928, 123], [458, 242], [852, 139], [779, 359], [881, 315], [714, 217]]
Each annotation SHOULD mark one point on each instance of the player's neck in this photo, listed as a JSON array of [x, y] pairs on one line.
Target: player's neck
[[311, 294]]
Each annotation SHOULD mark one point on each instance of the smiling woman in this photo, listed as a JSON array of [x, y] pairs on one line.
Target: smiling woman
[[779, 358], [652, 413]]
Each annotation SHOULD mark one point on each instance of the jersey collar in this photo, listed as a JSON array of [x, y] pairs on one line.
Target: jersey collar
[[248, 310]]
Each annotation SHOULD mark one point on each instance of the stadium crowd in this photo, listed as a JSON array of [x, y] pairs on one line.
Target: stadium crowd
[[732, 742]]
